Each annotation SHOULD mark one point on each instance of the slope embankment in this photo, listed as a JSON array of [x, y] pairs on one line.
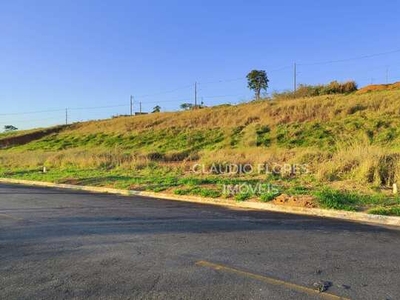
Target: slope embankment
[[23, 139]]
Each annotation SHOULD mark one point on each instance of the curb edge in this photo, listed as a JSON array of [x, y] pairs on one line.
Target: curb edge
[[316, 212]]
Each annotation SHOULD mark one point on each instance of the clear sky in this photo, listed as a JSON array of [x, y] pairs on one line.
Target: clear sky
[[59, 54]]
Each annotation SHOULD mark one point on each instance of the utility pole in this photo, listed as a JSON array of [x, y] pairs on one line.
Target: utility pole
[[140, 107], [66, 116], [195, 95], [294, 78], [131, 105]]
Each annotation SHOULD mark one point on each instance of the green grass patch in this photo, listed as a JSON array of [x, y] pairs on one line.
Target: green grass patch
[[333, 199], [386, 211], [298, 190], [198, 191], [243, 196], [263, 136], [344, 200], [269, 196]]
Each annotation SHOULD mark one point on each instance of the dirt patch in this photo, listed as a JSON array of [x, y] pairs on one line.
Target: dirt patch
[[29, 137], [72, 181], [379, 87], [298, 201]]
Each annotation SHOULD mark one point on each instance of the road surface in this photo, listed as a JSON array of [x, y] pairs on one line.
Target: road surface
[[58, 244]]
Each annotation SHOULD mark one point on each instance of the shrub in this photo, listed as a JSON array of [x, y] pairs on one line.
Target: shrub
[[305, 90], [349, 87]]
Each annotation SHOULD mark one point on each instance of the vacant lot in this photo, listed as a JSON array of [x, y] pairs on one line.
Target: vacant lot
[[348, 144]]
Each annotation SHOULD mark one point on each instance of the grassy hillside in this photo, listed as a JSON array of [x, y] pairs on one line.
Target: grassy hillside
[[16, 138], [350, 143]]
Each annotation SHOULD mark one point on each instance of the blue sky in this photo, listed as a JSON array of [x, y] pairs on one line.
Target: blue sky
[[83, 53]]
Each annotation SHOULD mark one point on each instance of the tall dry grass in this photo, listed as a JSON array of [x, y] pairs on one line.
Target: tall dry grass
[[93, 159], [322, 108], [73, 158], [362, 163], [359, 161]]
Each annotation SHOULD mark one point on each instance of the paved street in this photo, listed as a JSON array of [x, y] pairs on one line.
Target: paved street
[[58, 244]]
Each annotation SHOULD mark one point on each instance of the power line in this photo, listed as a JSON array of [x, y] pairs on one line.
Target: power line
[[30, 121], [223, 96], [387, 75], [280, 69], [382, 67], [350, 59], [211, 82], [165, 92], [59, 110], [98, 107], [165, 101], [242, 77], [222, 81], [31, 112]]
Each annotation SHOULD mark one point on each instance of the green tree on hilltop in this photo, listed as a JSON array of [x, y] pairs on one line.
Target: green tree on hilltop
[[257, 80], [156, 109]]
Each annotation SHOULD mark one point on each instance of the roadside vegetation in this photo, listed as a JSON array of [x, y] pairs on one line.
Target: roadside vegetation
[[349, 142], [305, 90]]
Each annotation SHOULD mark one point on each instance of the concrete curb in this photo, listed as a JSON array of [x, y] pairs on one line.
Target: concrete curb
[[316, 212]]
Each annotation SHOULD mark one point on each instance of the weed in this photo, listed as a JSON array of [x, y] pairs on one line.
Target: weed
[[269, 196], [386, 211], [243, 196], [333, 199]]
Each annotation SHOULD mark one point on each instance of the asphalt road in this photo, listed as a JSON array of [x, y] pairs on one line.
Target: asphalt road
[[57, 244]]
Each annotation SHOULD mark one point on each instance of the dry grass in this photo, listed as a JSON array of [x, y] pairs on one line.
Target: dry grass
[[360, 160], [379, 87], [73, 158], [361, 163], [322, 108], [365, 164]]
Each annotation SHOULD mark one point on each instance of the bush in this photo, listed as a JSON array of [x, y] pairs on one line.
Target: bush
[[304, 90]]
